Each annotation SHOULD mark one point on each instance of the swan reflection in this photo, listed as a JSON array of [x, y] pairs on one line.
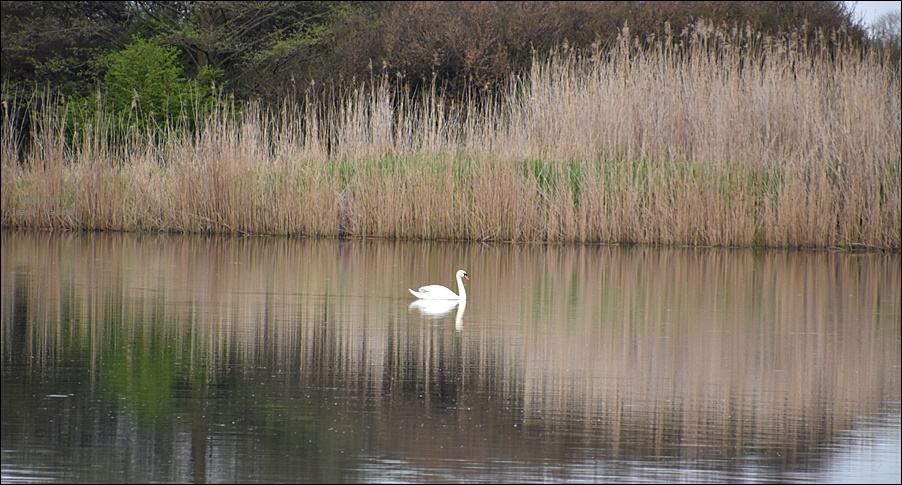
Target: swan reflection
[[440, 308]]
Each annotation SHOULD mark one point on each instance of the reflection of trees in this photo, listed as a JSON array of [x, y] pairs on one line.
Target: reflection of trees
[[634, 353]]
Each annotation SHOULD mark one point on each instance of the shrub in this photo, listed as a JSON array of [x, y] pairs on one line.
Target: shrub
[[144, 78]]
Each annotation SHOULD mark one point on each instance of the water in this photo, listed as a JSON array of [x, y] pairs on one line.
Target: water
[[133, 358]]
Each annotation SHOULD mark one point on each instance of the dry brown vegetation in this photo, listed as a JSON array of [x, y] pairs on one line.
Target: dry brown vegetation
[[477, 45], [704, 137]]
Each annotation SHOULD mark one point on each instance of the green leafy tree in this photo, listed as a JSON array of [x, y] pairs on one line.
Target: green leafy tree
[[256, 46], [58, 43], [145, 77], [145, 86]]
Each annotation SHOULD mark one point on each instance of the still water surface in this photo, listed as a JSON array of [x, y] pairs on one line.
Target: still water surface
[[133, 358]]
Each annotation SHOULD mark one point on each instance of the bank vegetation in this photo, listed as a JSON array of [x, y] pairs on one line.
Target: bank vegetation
[[707, 136]]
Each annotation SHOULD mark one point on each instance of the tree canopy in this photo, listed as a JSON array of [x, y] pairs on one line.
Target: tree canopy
[[272, 49]]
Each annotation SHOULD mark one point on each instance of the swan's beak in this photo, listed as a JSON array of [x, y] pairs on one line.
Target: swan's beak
[[467, 277]]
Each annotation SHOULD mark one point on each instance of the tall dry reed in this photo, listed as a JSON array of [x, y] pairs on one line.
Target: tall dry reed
[[706, 137]]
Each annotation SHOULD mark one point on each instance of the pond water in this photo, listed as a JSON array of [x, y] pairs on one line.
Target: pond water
[[152, 358]]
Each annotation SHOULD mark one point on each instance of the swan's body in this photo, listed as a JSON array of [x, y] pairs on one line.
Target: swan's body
[[439, 292]]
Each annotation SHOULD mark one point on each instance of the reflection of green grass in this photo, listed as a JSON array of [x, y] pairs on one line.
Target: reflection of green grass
[[147, 374], [141, 374]]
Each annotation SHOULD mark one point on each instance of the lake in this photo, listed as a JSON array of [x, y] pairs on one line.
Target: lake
[[170, 358]]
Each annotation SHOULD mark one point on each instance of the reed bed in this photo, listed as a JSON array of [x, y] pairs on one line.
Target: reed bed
[[706, 137]]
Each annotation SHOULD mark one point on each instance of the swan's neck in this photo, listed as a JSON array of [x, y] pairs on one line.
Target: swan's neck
[[462, 292]]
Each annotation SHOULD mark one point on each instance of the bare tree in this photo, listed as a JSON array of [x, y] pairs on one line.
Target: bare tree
[[885, 29]]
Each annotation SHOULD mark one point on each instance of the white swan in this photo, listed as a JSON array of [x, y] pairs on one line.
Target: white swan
[[439, 292]]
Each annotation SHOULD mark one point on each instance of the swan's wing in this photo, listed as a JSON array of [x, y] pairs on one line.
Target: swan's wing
[[433, 289], [434, 292], [422, 292]]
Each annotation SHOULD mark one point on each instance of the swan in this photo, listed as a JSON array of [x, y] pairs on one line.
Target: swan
[[439, 292]]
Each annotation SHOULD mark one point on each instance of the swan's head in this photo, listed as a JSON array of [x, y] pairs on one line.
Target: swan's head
[[462, 274]]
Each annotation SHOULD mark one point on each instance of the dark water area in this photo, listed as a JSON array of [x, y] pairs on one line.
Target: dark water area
[[146, 358]]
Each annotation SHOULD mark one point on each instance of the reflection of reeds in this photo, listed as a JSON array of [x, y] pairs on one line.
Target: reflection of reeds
[[713, 346], [730, 139], [747, 344]]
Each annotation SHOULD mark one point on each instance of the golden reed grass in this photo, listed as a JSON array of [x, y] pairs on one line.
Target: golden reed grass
[[707, 138]]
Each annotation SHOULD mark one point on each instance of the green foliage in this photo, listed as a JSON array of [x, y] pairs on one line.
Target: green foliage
[[553, 177], [144, 77], [56, 44], [541, 172], [272, 50], [576, 173], [146, 89], [261, 48]]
